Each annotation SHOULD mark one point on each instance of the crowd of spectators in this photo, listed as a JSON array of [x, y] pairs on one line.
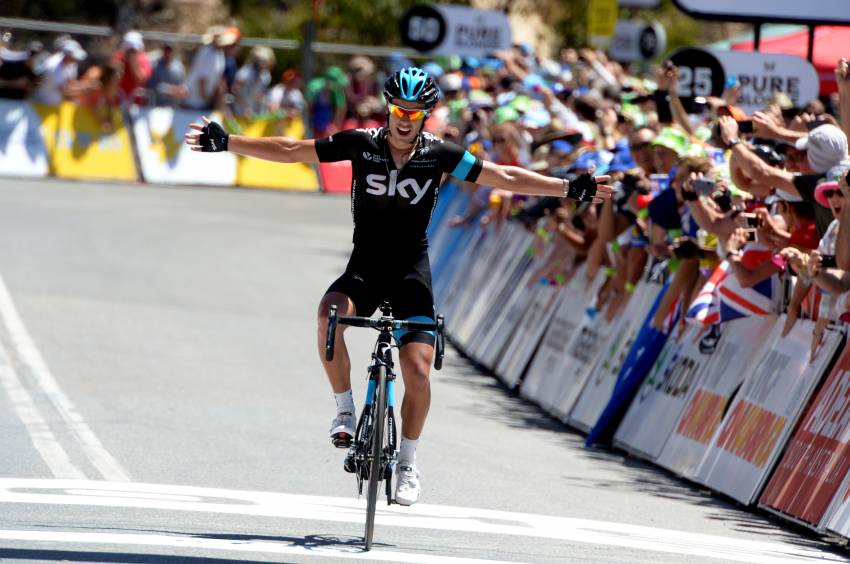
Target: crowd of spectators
[[124, 71], [705, 192], [707, 196]]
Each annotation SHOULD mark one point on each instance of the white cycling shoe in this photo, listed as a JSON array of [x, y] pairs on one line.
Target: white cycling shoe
[[407, 487], [342, 429]]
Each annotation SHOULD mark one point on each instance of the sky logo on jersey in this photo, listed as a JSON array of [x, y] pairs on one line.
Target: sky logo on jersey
[[377, 187]]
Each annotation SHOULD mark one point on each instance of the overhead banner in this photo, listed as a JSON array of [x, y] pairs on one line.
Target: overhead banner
[[442, 29], [764, 412], [166, 159], [81, 146], [791, 11], [817, 458], [22, 149], [760, 76], [257, 173], [741, 347], [658, 405]]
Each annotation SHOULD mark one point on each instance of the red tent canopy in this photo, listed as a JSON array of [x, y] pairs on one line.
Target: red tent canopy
[[831, 43]]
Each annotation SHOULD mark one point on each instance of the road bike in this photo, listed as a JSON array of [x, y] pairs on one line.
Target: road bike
[[372, 454]]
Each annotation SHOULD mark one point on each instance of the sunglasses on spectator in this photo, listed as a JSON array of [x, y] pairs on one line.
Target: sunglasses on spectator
[[414, 115], [639, 146], [830, 193], [500, 140]]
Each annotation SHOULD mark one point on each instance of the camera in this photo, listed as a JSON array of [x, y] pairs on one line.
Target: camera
[[828, 261], [704, 186]]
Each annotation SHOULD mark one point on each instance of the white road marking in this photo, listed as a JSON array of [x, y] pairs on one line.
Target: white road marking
[[108, 467], [233, 546], [422, 516], [43, 439]]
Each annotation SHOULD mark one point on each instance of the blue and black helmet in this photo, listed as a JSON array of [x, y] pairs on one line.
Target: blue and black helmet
[[414, 85]]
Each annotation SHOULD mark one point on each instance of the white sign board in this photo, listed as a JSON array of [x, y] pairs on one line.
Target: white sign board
[[455, 30], [166, 159], [761, 75], [809, 11], [741, 347], [765, 411], [658, 404], [22, 149], [637, 41]]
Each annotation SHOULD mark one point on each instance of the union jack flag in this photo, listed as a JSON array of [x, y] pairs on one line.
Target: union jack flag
[[723, 298]]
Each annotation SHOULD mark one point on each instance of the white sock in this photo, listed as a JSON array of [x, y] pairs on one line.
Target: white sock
[[344, 402], [407, 452]]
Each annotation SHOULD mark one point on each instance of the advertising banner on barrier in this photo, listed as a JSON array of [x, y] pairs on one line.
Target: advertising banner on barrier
[[79, 147], [547, 367], [764, 412], [740, 348], [655, 410], [493, 275], [22, 149], [528, 331], [517, 298], [257, 173], [599, 386], [817, 457], [166, 159]]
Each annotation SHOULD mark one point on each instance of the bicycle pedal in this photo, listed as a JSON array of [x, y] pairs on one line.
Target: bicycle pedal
[[341, 440], [349, 465]]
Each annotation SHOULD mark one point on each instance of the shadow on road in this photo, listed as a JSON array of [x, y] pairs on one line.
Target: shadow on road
[[506, 407], [329, 544]]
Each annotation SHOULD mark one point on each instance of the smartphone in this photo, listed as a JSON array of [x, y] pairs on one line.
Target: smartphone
[[752, 236], [745, 126], [828, 261], [749, 220], [810, 125], [704, 186]]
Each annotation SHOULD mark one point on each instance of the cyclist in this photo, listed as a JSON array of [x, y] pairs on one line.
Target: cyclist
[[397, 172]]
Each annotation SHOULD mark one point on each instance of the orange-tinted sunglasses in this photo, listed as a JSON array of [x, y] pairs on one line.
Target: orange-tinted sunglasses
[[414, 115]]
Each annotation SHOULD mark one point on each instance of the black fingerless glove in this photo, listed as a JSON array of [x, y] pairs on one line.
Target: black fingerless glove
[[213, 138], [583, 188]]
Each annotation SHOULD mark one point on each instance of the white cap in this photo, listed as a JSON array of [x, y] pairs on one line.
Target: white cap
[[133, 40], [73, 49], [451, 82], [825, 146]]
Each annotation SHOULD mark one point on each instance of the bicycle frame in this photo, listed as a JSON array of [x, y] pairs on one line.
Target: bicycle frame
[[372, 456]]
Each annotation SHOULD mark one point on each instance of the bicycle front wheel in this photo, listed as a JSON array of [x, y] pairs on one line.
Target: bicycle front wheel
[[375, 471]]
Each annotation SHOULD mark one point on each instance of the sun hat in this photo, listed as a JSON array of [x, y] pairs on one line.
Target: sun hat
[[825, 147], [673, 139]]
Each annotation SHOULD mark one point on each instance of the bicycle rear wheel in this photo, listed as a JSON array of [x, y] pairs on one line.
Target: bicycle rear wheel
[[375, 470]]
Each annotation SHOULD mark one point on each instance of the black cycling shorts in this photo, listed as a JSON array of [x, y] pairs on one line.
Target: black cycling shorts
[[405, 282]]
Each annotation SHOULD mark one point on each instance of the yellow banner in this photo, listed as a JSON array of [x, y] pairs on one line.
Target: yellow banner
[[601, 21], [256, 173], [80, 145]]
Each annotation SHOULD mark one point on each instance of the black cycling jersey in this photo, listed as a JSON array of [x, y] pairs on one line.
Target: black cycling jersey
[[392, 207]]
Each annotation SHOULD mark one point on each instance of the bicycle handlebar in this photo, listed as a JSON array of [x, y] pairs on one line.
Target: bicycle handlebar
[[383, 323]]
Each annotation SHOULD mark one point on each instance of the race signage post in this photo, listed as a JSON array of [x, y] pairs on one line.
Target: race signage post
[[455, 30], [759, 75], [601, 21], [637, 41]]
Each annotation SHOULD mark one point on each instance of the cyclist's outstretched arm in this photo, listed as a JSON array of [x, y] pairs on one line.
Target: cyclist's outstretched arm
[[278, 149], [522, 181]]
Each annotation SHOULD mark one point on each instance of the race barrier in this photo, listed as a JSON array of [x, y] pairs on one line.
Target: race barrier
[[141, 144], [166, 159], [760, 418], [79, 146], [22, 149]]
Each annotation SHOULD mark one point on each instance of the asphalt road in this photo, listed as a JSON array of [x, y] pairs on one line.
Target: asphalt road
[[161, 401]]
